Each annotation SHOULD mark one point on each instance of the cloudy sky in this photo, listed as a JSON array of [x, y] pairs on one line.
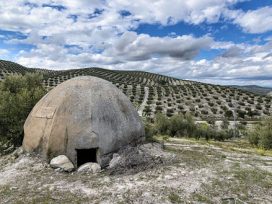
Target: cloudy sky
[[215, 41]]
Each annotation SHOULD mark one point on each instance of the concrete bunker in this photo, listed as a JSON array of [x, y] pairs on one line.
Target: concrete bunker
[[85, 118]]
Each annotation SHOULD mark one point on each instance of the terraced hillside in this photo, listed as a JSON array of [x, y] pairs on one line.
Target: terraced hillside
[[153, 93], [7, 68]]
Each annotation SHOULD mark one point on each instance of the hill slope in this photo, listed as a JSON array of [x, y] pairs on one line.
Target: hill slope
[[153, 93]]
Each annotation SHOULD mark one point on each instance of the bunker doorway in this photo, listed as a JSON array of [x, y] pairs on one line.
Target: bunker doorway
[[86, 155]]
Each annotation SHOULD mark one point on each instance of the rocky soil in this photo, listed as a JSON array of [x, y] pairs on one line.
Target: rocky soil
[[184, 171]]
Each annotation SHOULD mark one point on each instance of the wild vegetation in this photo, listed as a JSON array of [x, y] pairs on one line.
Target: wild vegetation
[[185, 126], [18, 95], [261, 135]]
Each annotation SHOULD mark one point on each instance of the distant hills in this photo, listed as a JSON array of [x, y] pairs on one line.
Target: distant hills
[[255, 89], [154, 93]]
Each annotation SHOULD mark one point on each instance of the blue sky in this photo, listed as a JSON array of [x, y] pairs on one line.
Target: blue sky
[[214, 41]]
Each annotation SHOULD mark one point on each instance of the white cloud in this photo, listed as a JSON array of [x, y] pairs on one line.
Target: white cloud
[[3, 52], [133, 47], [253, 21], [173, 11], [87, 33], [28, 15], [253, 63], [118, 49]]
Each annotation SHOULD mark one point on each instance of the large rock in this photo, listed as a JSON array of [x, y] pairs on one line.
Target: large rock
[[83, 113], [89, 168], [63, 163]]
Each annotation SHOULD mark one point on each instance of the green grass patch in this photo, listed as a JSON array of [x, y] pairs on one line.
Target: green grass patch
[[174, 198]]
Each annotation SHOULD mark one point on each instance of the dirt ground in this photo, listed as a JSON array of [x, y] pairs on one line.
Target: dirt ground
[[190, 172]]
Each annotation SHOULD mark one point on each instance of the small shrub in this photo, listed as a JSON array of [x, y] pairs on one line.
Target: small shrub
[[211, 104], [241, 103], [147, 109], [241, 113], [161, 123], [159, 108], [158, 103], [204, 112], [180, 107], [228, 114], [197, 100], [149, 131], [258, 107], [262, 134]]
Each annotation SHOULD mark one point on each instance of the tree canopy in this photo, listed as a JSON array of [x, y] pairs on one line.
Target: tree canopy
[[18, 95]]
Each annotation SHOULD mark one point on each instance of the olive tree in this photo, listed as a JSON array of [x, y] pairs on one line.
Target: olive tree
[[18, 95]]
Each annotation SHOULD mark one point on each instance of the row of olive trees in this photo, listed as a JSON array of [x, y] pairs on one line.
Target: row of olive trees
[[185, 126], [261, 135], [18, 95]]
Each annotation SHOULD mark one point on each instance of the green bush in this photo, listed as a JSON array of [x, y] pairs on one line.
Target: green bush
[[149, 131], [253, 136], [161, 123], [185, 126], [219, 135], [202, 131], [18, 95], [228, 114], [261, 135]]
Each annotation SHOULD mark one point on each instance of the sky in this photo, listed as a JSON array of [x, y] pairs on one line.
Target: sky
[[212, 41]]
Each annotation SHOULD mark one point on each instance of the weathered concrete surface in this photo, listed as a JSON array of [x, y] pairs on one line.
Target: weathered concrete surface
[[82, 113]]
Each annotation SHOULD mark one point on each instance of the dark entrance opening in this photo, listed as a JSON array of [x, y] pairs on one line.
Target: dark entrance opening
[[86, 155]]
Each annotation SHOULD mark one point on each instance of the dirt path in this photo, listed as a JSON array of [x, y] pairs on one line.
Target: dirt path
[[142, 106], [201, 173]]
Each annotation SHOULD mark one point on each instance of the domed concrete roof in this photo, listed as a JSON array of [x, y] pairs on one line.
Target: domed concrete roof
[[83, 113]]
